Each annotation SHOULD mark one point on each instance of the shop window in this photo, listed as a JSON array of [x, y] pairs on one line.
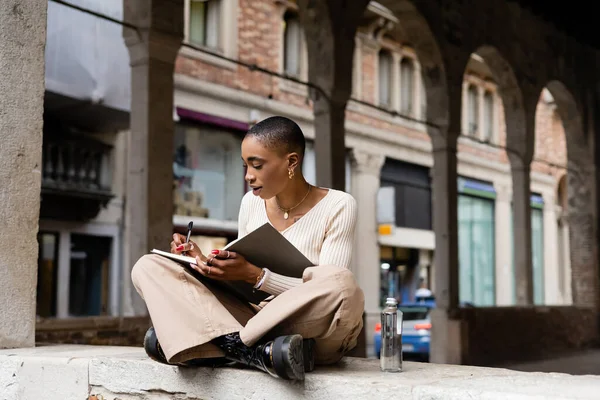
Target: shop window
[[412, 193], [476, 243], [47, 274], [82, 286], [89, 268], [537, 249], [208, 172], [309, 166]]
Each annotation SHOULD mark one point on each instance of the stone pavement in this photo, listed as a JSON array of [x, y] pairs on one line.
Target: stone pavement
[[68, 372], [582, 363]]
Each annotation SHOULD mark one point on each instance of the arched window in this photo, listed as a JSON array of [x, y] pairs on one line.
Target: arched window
[[292, 44], [488, 108], [204, 24], [385, 78], [407, 83], [473, 110]]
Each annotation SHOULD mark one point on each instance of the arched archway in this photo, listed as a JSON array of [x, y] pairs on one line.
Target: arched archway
[[442, 121], [484, 190], [507, 251], [579, 193], [518, 142]]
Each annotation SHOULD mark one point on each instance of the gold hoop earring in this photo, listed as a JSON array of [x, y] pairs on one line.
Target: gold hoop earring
[[291, 173]]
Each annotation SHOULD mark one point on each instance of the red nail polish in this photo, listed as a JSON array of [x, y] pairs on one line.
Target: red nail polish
[[180, 247], [214, 252]]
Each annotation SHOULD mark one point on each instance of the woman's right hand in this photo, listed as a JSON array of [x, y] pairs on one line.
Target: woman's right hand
[[178, 246]]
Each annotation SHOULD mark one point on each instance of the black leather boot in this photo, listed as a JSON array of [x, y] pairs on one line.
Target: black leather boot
[[282, 357], [154, 351], [152, 347], [309, 354]]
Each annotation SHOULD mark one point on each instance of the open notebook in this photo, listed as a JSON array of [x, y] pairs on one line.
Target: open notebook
[[264, 247]]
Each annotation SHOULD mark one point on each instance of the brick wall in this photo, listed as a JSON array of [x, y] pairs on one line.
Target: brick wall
[[512, 334], [550, 140], [105, 331]]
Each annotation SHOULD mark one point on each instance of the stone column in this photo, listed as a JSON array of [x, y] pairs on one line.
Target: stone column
[[522, 232], [504, 262], [330, 42], [445, 221], [447, 332], [552, 276], [520, 140], [366, 168], [565, 260], [22, 43], [149, 198]]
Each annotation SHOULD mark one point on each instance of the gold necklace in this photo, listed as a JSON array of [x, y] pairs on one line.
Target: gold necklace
[[286, 211]]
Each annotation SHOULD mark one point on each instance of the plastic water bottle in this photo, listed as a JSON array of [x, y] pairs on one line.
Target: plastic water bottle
[[391, 337]]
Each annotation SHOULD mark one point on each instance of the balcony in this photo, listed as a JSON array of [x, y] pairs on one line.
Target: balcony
[[76, 177]]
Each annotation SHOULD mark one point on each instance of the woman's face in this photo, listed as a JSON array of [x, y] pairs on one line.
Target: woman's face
[[266, 169]]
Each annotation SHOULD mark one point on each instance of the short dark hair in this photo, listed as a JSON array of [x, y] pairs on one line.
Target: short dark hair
[[280, 134]]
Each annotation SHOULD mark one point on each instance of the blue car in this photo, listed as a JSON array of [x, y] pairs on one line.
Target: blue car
[[416, 329]]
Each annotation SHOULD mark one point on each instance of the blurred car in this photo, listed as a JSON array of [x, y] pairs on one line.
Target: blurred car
[[416, 329]]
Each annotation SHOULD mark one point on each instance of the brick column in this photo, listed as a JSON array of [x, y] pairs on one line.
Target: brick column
[[149, 198], [583, 151], [22, 42], [582, 229], [330, 42]]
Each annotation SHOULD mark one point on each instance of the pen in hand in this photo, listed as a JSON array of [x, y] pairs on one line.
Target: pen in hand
[[189, 233]]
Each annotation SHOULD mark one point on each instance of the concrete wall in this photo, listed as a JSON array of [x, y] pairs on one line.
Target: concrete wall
[[122, 373], [103, 331], [22, 39], [494, 336]]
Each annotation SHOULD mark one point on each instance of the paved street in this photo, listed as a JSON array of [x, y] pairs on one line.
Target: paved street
[[584, 363]]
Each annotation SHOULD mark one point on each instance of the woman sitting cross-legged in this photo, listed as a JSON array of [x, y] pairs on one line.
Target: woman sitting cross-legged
[[308, 320]]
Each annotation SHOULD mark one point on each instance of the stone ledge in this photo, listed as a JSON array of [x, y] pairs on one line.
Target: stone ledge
[[125, 373]]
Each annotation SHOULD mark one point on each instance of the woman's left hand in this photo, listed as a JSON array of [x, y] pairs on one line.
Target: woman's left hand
[[227, 266]]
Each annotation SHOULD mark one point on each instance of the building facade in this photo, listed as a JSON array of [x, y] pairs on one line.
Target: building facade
[[388, 163]]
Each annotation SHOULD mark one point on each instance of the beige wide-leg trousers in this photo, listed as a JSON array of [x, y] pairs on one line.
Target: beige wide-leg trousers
[[187, 313]]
